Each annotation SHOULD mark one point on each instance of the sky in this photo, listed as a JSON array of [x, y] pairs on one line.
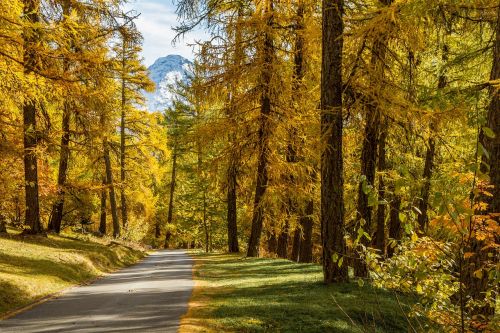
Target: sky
[[155, 23]]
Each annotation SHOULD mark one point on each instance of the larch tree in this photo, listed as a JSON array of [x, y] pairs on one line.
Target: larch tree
[[332, 169], [31, 63]]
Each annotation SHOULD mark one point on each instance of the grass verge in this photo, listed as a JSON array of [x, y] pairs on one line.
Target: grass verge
[[34, 267], [236, 294]]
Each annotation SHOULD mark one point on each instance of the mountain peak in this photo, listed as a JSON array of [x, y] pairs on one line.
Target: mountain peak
[[165, 72]]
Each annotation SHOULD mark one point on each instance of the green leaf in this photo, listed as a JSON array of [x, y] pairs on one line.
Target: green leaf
[[341, 260], [483, 151], [335, 257], [402, 217], [489, 132]]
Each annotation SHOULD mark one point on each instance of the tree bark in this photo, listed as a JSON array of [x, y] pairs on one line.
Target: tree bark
[[477, 286], [58, 207], [394, 222], [369, 150], [296, 241], [293, 145], [264, 134], [102, 222], [111, 186], [423, 204], [282, 250], [170, 212], [380, 241], [332, 164], [306, 244], [234, 160], [3, 226], [232, 218], [272, 243], [123, 198], [32, 209]]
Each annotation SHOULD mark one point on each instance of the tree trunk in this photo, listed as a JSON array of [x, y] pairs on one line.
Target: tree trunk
[[423, 203], [476, 285], [297, 239], [272, 243], [264, 134], [306, 223], [111, 186], [426, 188], [293, 145], [170, 213], [380, 241], [332, 163], [102, 222], [232, 218], [3, 226], [234, 161], [369, 160], [205, 224], [58, 207], [32, 209], [282, 250], [123, 198], [394, 223]]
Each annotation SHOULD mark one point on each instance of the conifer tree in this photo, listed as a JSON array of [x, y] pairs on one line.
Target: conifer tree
[[332, 177]]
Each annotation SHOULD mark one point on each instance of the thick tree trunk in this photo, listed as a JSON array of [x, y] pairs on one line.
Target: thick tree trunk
[[476, 285], [32, 209], [170, 212], [379, 239], [232, 218], [58, 207], [102, 221], [111, 186], [332, 164], [264, 134]]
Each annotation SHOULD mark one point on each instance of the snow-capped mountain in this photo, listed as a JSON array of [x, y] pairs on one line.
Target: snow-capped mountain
[[165, 72]]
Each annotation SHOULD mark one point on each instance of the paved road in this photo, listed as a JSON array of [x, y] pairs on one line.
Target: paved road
[[148, 297]]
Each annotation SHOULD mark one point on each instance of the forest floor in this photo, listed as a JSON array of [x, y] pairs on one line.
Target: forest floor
[[32, 268], [237, 294]]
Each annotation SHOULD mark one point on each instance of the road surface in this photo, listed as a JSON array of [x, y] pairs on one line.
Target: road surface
[[150, 296]]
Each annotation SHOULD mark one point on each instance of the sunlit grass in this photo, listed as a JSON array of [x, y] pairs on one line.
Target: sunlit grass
[[34, 267], [236, 294]]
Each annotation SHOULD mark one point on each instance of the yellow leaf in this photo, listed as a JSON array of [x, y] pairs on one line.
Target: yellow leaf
[[467, 255]]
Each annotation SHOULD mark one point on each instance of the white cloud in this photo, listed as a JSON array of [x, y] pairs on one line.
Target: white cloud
[[155, 23]]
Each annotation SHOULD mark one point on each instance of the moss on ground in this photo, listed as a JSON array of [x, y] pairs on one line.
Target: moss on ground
[[34, 267], [236, 294]]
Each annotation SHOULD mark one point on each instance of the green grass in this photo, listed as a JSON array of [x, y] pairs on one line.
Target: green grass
[[236, 294], [34, 267]]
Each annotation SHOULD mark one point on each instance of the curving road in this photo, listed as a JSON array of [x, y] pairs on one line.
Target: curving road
[[150, 296]]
